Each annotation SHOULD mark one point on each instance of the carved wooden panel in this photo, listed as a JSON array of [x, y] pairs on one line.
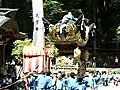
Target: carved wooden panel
[[66, 49]]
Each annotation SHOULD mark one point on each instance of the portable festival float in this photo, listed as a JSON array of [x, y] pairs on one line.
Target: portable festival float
[[64, 44]]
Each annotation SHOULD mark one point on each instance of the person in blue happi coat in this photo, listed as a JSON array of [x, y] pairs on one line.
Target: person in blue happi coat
[[40, 81], [110, 77], [54, 79], [31, 81], [64, 80], [59, 82], [89, 80], [48, 81], [72, 81], [81, 84], [97, 79]]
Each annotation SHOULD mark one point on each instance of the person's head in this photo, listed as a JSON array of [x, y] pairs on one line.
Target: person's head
[[91, 73], [79, 79], [26, 73], [72, 75], [114, 72], [48, 73], [34, 73], [59, 75], [53, 75], [104, 72], [63, 74]]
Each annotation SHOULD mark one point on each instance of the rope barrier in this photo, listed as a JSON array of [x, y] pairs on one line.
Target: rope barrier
[[20, 80]]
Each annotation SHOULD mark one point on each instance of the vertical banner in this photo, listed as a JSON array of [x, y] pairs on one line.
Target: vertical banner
[[38, 31]]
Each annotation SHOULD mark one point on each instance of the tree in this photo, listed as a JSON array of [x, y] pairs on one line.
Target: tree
[[115, 4], [52, 9], [117, 36], [18, 49], [109, 14]]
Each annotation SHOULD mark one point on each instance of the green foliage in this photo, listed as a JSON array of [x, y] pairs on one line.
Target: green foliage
[[18, 45], [51, 8], [18, 49], [13, 3], [54, 49], [118, 34], [114, 4]]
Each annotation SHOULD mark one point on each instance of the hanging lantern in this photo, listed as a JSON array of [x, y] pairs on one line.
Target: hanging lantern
[[77, 52]]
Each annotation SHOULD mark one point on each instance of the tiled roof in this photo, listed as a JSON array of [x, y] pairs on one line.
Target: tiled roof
[[3, 19]]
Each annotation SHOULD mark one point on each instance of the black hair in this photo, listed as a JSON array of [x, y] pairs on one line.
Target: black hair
[[63, 74], [48, 73], [79, 79], [72, 74]]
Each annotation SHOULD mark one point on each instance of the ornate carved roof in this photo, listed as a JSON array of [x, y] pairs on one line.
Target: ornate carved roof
[[66, 31], [8, 26], [69, 40]]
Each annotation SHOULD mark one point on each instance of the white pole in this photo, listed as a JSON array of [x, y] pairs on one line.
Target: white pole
[[38, 31], [37, 6]]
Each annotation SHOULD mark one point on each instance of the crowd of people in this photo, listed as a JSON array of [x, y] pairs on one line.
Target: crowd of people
[[91, 80], [60, 81], [7, 75]]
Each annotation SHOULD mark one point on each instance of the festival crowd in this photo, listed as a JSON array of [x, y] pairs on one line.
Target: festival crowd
[[60, 81], [91, 80], [7, 75]]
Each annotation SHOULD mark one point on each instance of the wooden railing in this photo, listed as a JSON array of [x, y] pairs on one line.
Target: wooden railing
[[66, 69]]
